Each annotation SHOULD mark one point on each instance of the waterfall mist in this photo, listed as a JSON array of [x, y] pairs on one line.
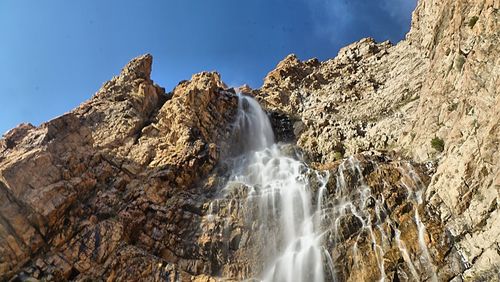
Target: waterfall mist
[[308, 225], [279, 190]]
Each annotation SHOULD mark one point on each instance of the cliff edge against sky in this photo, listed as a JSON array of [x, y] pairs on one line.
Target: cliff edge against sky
[[118, 188]]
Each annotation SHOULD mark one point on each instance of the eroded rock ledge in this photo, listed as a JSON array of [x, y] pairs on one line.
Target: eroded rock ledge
[[117, 188], [432, 97], [115, 181]]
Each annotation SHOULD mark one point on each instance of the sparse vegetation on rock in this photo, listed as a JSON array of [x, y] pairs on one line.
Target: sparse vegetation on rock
[[119, 187], [472, 22], [437, 144]]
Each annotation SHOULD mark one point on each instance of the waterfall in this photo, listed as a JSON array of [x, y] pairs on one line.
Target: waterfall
[[280, 190], [252, 126], [307, 225]]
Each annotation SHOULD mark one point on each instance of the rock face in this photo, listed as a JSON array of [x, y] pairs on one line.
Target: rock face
[[432, 97], [348, 104], [123, 187], [110, 185], [372, 219], [460, 103]]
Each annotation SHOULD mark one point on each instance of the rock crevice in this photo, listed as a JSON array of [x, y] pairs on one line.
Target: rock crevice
[[120, 188]]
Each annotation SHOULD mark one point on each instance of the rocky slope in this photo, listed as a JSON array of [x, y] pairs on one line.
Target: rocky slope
[[111, 185], [121, 187], [432, 97]]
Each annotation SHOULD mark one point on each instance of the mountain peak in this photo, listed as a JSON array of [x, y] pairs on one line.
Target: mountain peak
[[139, 67]]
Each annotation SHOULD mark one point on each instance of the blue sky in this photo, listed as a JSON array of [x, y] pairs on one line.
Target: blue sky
[[55, 54]]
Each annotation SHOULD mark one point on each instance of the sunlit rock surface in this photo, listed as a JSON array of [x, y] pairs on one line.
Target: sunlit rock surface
[[111, 185], [139, 184], [441, 83]]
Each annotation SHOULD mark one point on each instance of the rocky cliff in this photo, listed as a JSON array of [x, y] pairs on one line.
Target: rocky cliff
[[123, 187], [115, 181], [433, 97]]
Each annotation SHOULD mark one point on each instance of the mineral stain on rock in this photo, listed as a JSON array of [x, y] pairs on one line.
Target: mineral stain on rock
[[137, 184]]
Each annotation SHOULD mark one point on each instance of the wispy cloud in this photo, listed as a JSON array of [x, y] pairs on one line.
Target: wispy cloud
[[399, 10], [344, 21]]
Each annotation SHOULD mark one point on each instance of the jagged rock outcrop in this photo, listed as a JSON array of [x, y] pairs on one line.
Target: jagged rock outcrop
[[433, 96], [460, 105], [110, 185], [371, 221], [122, 187], [352, 103]]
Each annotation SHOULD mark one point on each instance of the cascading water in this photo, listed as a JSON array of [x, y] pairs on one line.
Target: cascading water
[[307, 225], [252, 126], [279, 189]]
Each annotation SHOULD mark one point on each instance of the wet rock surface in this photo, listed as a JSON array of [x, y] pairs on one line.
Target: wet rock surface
[[432, 97], [128, 185], [373, 218]]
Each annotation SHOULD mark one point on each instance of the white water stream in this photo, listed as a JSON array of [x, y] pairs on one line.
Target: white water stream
[[293, 217], [280, 190]]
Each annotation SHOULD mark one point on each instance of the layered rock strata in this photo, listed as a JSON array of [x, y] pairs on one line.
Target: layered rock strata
[[121, 187], [432, 97], [114, 187]]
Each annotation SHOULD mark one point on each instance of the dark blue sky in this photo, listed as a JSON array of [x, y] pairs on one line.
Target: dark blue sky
[[55, 54]]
